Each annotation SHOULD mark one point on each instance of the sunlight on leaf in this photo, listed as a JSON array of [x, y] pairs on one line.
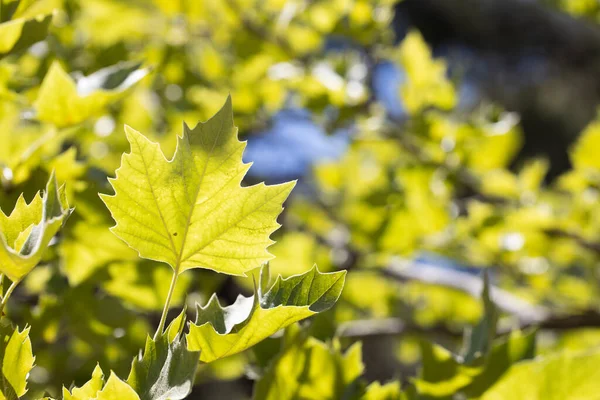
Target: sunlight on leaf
[[191, 211], [27, 231], [17, 361], [62, 101], [222, 331]]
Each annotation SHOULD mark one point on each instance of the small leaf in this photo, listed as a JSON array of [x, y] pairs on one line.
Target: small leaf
[[517, 347], [583, 154], [442, 373], [176, 326], [145, 284], [191, 211], [20, 33], [377, 391], [89, 389], [165, 371], [478, 341], [427, 84], [17, 361], [222, 331], [63, 102], [27, 231], [310, 369], [82, 257], [116, 389]]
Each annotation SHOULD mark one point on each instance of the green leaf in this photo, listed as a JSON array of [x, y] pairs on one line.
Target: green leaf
[[96, 389], [442, 373], [427, 84], [310, 369], [17, 361], [191, 211], [32, 8], [27, 231], [222, 331], [81, 256], [62, 101], [89, 389], [166, 370], [564, 376], [145, 284], [176, 326], [20, 33], [582, 154], [517, 347], [478, 341], [377, 391], [116, 389]]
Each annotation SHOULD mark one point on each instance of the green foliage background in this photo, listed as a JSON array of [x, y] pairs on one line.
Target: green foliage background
[[437, 181]]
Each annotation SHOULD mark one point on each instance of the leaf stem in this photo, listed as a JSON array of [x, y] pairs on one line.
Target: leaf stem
[[11, 288], [163, 318]]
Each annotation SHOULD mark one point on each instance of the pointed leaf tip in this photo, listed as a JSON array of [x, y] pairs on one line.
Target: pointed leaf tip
[[191, 211], [223, 331]]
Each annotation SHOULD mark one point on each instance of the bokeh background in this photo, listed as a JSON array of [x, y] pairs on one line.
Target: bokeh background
[[431, 140]]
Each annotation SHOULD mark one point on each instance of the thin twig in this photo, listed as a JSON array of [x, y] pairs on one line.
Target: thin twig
[[11, 288], [364, 328]]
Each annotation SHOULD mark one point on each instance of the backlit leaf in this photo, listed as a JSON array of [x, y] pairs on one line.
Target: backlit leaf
[[23, 31], [62, 101], [165, 371], [191, 211], [222, 331], [563, 376], [27, 231], [89, 389], [311, 370], [116, 389], [17, 361]]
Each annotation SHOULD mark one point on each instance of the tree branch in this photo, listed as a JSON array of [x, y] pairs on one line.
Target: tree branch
[[528, 315], [470, 284]]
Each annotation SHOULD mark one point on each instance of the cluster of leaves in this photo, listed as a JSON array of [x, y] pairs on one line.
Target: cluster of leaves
[[205, 220], [432, 179]]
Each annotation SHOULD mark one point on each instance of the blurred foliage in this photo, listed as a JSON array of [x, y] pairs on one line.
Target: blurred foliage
[[430, 183]]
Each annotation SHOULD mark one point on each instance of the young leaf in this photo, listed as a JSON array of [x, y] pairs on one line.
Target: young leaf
[[223, 331], [564, 376], [478, 341], [517, 347], [27, 231], [144, 284], [82, 257], [97, 389], [427, 84], [17, 361], [310, 369], [377, 391], [89, 389], [21, 32], [116, 389], [62, 101], [191, 211], [444, 373], [166, 370]]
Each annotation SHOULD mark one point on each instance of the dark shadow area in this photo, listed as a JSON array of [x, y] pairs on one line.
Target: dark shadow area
[[541, 63]]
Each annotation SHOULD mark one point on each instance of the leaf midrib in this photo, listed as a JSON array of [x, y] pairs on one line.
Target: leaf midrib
[[199, 186]]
